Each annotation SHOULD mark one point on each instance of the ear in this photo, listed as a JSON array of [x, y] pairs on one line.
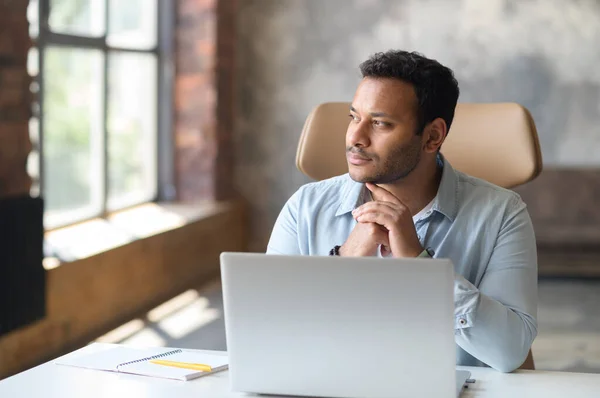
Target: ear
[[436, 133]]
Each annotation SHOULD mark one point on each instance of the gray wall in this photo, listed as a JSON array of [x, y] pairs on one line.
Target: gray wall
[[294, 54]]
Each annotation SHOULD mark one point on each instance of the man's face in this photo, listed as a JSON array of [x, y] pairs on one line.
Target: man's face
[[381, 142]]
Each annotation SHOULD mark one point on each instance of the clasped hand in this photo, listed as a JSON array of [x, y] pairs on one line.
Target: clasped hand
[[387, 222]]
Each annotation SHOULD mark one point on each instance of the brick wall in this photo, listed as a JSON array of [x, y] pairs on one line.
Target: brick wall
[[226, 88], [22, 277], [15, 98], [204, 104]]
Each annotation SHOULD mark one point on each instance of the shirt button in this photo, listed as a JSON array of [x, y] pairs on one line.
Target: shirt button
[[462, 321]]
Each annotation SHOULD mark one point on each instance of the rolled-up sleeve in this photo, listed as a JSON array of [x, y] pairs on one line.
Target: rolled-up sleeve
[[496, 322]]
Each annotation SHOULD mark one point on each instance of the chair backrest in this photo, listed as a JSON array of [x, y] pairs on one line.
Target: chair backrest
[[529, 364], [495, 142]]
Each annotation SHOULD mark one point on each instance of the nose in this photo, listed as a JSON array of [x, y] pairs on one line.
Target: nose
[[357, 134]]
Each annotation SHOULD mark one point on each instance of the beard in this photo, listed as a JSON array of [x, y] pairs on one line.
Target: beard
[[399, 163]]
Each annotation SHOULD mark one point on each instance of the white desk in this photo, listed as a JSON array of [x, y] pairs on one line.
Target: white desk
[[56, 381]]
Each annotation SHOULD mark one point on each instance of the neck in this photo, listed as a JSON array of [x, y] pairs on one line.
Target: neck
[[418, 188]]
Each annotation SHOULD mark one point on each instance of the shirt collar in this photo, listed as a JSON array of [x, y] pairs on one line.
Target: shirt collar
[[446, 200], [354, 193], [352, 196]]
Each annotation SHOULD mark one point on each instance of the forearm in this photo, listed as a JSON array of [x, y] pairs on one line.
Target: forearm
[[490, 331]]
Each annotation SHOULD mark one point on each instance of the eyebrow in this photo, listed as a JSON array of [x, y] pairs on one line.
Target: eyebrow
[[373, 114]]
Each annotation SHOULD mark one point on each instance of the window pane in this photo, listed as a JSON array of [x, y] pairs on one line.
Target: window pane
[[131, 129], [132, 23], [33, 62], [33, 165], [73, 124], [32, 17], [33, 161], [78, 17]]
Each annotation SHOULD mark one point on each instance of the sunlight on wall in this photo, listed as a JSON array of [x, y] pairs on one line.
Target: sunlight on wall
[[145, 338], [122, 332], [175, 304], [188, 319], [174, 319]]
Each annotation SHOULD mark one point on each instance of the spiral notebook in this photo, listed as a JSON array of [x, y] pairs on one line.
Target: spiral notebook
[[134, 360]]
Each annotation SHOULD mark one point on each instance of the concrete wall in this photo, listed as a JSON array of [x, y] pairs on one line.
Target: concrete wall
[[294, 54]]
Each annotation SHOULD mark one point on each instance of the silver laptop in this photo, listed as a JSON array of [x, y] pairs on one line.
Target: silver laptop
[[340, 327]]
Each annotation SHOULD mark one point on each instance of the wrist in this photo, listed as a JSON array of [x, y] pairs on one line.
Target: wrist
[[410, 252], [344, 251]]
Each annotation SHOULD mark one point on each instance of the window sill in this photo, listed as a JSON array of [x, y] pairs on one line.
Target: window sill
[[92, 237]]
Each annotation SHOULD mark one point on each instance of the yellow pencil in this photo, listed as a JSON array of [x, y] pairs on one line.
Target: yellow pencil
[[184, 365]]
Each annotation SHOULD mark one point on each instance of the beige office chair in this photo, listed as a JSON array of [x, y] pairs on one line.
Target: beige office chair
[[495, 142]]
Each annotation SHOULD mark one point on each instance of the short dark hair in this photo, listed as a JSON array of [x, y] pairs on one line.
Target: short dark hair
[[435, 86]]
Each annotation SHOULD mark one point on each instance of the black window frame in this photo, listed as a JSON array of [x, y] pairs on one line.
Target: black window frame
[[163, 51]]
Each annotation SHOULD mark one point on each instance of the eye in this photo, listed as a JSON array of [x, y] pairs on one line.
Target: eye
[[354, 118], [379, 123]]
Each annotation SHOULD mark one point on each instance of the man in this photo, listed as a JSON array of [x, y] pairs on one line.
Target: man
[[401, 198]]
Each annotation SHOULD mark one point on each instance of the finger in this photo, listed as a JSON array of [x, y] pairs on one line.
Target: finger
[[378, 206], [383, 219], [383, 229], [378, 203], [382, 193], [380, 235]]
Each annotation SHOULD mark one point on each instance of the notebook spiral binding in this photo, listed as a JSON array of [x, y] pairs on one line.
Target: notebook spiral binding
[[164, 354]]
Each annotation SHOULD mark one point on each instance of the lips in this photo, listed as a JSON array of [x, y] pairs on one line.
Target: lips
[[355, 159]]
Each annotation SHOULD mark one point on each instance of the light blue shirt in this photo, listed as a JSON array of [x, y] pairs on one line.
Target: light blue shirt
[[484, 229]]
